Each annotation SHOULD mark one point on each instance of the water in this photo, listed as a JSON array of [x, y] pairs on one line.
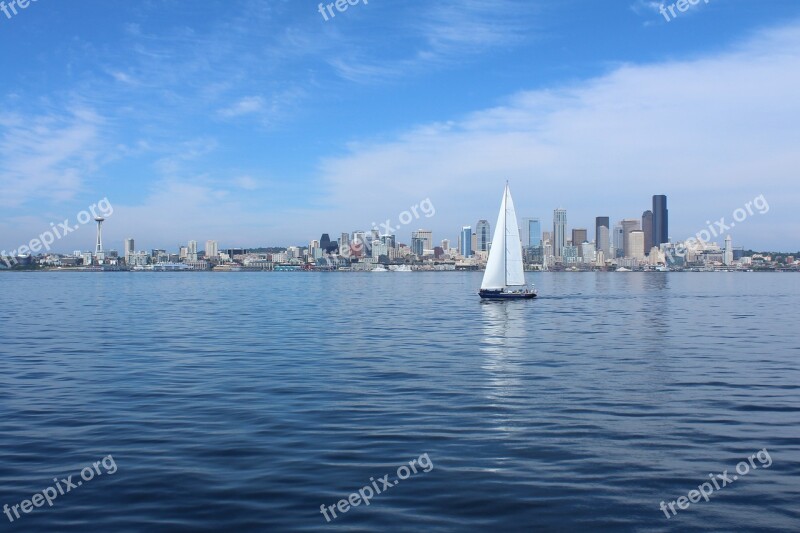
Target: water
[[244, 402]]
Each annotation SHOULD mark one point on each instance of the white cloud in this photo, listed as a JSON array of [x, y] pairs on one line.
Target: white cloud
[[245, 106], [47, 156], [711, 132]]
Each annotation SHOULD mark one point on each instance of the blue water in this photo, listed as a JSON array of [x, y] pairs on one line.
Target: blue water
[[244, 402]]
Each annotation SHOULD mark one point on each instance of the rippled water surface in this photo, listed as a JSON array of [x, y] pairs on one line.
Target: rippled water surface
[[244, 402]]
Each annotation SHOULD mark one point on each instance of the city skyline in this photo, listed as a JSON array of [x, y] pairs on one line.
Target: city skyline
[[625, 226]]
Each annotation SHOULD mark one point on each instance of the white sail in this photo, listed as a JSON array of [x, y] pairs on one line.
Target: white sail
[[495, 276], [505, 267]]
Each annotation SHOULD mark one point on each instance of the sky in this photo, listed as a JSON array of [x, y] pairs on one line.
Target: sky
[[261, 123]]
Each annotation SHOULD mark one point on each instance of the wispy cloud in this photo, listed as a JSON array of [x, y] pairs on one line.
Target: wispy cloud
[[245, 106], [47, 157]]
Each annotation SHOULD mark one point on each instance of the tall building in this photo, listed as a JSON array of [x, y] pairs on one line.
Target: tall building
[[728, 258], [618, 240], [212, 250], [579, 236], [660, 220], [426, 235], [531, 232], [417, 246], [483, 232], [636, 244], [344, 242], [466, 241], [445, 244], [559, 231], [326, 244], [390, 241], [647, 228], [191, 251], [629, 225], [128, 250], [603, 244]]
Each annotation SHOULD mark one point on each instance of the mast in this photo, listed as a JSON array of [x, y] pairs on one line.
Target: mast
[[505, 236]]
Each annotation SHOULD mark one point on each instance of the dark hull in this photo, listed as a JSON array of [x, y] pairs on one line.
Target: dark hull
[[497, 295]]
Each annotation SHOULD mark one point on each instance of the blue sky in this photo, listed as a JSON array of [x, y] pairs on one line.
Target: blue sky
[[260, 123]]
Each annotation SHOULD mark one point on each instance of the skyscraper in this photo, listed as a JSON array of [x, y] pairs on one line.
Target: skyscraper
[[191, 251], [618, 238], [426, 235], [636, 244], [647, 228], [579, 236], [559, 231], [128, 251], [417, 246], [483, 232], [660, 220], [466, 241], [325, 243], [531, 233], [629, 225], [602, 239], [212, 250], [728, 257]]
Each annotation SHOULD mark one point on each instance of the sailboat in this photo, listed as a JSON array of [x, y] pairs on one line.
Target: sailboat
[[504, 278]]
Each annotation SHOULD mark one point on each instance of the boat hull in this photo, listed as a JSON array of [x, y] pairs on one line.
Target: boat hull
[[500, 295]]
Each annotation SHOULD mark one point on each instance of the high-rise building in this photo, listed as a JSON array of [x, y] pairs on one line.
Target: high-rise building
[[618, 240], [417, 246], [466, 241], [660, 220], [601, 238], [579, 236], [483, 232], [531, 232], [344, 243], [390, 241], [191, 251], [629, 225], [426, 235], [128, 250], [728, 259], [647, 228], [212, 250], [559, 231], [326, 244], [445, 244], [635, 244]]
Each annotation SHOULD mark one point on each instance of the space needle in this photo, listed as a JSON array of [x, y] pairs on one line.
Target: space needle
[[100, 255]]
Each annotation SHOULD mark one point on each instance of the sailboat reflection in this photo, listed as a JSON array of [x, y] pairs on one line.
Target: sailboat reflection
[[505, 344]]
